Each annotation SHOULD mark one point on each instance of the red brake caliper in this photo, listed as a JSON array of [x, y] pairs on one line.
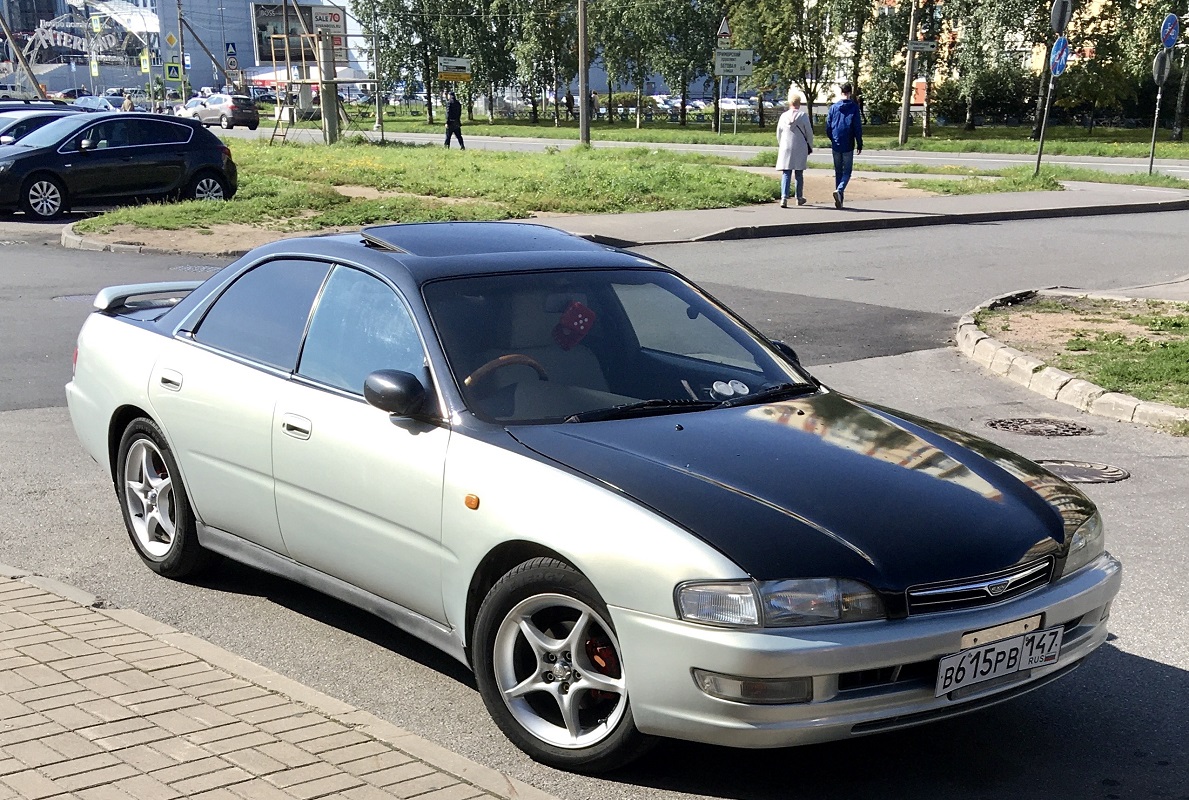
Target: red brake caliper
[[603, 656]]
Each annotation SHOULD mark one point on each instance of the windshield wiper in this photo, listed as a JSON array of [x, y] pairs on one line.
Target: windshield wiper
[[769, 393], [642, 408]]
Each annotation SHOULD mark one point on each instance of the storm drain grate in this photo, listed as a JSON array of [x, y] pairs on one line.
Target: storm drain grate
[[11, 242], [1040, 426], [195, 268], [1085, 471], [75, 298]]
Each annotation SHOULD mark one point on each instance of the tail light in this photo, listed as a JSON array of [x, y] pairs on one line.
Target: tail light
[[225, 150], [74, 363], [231, 106]]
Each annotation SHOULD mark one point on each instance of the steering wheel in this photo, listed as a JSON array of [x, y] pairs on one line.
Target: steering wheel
[[508, 360]]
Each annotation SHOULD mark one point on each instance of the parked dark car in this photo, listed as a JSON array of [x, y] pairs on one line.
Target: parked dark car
[[89, 158], [229, 110], [16, 123]]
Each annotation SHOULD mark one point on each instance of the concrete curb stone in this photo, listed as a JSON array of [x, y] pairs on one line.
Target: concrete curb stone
[[435, 756], [1053, 383]]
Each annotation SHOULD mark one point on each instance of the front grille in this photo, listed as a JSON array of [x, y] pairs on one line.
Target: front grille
[[982, 590]]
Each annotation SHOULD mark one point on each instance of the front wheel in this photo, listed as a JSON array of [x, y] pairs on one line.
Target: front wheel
[[44, 197], [550, 669], [206, 186], [153, 500]]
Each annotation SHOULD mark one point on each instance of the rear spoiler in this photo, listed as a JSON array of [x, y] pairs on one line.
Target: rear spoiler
[[163, 293]]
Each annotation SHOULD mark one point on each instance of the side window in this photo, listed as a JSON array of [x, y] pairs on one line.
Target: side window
[[262, 316], [662, 321], [154, 131], [360, 326]]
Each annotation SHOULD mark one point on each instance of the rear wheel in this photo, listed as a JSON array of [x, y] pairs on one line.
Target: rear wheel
[[43, 197], [153, 500], [206, 186], [225, 122], [550, 670], [253, 126]]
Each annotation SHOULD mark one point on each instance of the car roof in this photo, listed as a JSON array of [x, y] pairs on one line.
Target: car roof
[[21, 113], [427, 251]]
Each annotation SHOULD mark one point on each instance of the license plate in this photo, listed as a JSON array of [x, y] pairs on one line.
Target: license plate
[[994, 660]]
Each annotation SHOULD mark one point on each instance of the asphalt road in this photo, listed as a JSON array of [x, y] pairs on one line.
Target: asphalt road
[[872, 311], [982, 161]]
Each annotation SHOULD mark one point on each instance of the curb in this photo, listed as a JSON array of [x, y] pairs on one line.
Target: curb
[[74, 241], [1055, 384], [489, 780]]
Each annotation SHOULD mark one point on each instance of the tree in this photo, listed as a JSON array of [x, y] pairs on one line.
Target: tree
[[684, 50], [795, 39]]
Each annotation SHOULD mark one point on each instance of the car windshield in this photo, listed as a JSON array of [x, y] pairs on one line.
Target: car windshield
[[584, 346], [54, 132]]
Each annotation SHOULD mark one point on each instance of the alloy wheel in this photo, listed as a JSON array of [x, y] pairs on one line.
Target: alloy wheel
[[45, 198], [149, 498], [558, 668], [208, 188]]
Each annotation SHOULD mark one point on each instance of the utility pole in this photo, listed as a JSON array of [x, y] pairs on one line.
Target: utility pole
[[584, 108], [909, 67], [20, 55], [182, 51], [379, 126]]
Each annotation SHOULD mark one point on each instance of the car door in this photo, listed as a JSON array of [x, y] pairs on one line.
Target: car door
[[160, 154], [359, 493], [106, 169], [214, 391], [209, 111]]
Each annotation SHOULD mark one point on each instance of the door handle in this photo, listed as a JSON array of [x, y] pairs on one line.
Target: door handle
[[171, 379], [295, 426]]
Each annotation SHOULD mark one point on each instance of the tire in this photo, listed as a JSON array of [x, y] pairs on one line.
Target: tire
[[207, 186], [253, 126], [225, 123], [44, 197], [155, 505], [562, 696]]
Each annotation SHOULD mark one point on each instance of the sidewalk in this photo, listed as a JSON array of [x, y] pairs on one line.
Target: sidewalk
[[107, 704]]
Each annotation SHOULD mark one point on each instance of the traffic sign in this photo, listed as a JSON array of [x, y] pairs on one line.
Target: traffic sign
[[186, 60], [454, 69], [171, 40], [94, 67], [232, 63], [1161, 67], [733, 63], [1060, 57], [173, 71], [231, 50], [724, 29], [1170, 31], [922, 46], [1059, 17], [144, 60]]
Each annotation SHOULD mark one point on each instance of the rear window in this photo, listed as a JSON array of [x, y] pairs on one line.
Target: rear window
[[241, 100]]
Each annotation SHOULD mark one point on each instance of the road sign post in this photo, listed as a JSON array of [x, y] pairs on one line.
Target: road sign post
[[733, 64], [1057, 63], [1170, 31], [909, 69], [724, 42]]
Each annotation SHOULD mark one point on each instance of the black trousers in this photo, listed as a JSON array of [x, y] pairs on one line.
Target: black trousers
[[454, 129]]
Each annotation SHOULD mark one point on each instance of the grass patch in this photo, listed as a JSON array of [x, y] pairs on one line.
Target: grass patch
[[1140, 348], [291, 187], [976, 185]]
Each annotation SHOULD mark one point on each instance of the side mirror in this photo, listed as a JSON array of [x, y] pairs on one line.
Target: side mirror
[[7, 139], [86, 144], [398, 393], [787, 351]]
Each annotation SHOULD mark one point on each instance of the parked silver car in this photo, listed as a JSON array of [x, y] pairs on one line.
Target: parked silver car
[[630, 513]]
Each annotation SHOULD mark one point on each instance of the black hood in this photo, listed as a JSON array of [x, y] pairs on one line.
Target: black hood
[[823, 486]]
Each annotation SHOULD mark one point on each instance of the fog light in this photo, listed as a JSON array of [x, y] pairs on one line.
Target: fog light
[[759, 691]]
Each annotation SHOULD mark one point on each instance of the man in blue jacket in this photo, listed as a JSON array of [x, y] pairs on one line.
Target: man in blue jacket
[[844, 129]]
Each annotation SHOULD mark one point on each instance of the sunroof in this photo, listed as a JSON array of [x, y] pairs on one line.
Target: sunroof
[[434, 239]]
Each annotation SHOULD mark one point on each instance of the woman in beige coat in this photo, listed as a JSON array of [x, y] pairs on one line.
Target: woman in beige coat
[[794, 141]]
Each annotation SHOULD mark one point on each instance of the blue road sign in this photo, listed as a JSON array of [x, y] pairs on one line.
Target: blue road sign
[[1060, 57], [1170, 31], [231, 50]]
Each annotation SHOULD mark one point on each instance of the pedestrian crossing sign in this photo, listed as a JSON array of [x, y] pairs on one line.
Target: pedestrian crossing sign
[[173, 72]]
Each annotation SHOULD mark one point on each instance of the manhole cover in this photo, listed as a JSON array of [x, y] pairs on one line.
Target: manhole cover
[[1085, 471], [1040, 426], [75, 298], [195, 268]]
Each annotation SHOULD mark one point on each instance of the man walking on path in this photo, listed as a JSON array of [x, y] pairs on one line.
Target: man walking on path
[[454, 121], [844, 129]]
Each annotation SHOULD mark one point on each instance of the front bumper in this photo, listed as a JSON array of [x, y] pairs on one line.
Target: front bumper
[[852, 666]]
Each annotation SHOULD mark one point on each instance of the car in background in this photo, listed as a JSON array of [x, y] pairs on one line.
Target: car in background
[[189, 109], [71, 94], [99, 102], [16, 123], [11, 91], [83, 159], [628, 511], [228, 110]]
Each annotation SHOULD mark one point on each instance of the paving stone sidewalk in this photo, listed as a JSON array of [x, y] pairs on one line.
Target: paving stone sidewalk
[[107, 704]]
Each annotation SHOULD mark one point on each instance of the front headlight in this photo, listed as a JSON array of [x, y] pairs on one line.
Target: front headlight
[[778, 604], [1087, 544]]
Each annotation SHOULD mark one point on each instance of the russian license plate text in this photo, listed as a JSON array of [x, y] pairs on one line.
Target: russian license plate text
[[978, 664]]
